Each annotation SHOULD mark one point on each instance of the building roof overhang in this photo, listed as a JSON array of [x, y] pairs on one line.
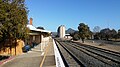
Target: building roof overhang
[[32, 28]]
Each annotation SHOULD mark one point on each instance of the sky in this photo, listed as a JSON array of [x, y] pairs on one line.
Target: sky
[[50, 14]]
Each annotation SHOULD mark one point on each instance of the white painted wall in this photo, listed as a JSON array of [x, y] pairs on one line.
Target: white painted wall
[[44, 42]]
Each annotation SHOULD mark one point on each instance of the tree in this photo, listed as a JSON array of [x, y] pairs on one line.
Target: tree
[[83, 31], [75, 35], [97, 36], [107, 33], [13, 21], [116, 36], [96, 29], [40, 28], [113, 33], [118, 33]]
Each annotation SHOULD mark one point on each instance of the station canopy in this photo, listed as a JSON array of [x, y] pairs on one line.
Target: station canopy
[[31, 27]]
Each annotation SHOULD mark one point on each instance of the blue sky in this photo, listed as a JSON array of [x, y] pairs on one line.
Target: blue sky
[[52, 13]]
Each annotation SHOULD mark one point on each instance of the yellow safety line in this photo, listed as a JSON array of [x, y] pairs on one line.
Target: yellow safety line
[[44, 56]]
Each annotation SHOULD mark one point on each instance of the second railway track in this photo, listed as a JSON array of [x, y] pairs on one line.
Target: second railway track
[[114, 56], [90, 57]]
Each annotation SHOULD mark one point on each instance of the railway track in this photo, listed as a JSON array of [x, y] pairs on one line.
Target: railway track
[[68, 58], [114, 56], [97, 57]]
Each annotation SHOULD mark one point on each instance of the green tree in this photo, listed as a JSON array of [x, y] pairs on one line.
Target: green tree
[[105, 34], [75, 35], [83, 31], [113, 33], [118, 34], [108, 34], [97, 36], [13, 21], [40, 28]]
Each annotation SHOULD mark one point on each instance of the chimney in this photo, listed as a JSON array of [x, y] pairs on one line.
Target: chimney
[[31, 21]]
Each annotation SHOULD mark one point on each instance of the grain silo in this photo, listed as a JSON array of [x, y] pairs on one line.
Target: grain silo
[[61, 31]]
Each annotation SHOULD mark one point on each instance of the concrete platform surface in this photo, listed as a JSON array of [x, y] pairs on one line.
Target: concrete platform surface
[[34, 58], [49, 60]]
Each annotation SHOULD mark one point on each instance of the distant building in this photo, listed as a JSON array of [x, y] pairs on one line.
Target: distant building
[[61, 31], [68, 36]]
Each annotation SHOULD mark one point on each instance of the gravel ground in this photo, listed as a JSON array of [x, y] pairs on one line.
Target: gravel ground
[[87, 60], [105, 46]]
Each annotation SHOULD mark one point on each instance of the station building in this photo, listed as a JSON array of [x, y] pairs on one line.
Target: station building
[[38, 36]]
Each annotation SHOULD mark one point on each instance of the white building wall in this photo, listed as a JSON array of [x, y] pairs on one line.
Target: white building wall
[[44, 42]]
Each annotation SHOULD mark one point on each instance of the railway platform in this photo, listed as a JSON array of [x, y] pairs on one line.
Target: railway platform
[[52, 57], [49, 57]]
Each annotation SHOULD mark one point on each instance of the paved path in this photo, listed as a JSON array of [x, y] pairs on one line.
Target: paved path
[[33, 58]]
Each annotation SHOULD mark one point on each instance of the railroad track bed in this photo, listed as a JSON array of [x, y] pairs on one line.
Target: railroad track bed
[[90, 57], [114, 56], [69, 61]]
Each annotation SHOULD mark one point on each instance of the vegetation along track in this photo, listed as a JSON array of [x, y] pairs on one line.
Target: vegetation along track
[[68, 58], [93, 57]]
